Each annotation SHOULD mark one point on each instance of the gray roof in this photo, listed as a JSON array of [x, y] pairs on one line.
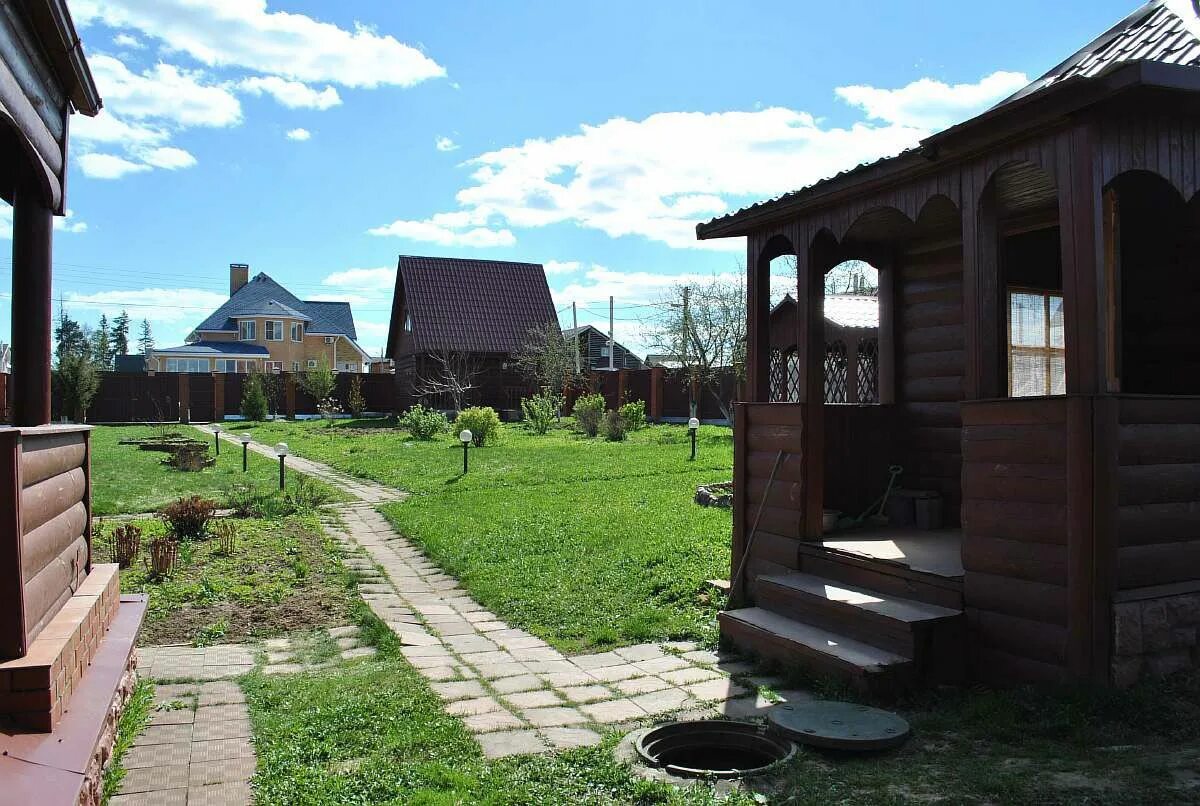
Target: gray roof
[[216, 348], [262, 296]]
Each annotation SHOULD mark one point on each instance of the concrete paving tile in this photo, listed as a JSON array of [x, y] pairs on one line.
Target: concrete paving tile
[[691, 674], [681, 646], [221, 693], [533, 699], [494, 671], [439, 672], [478, 658], [701, 656], [239, 793], [490, 626], [534, 654], [597, 661], [224, 771], [475, 705], [665, 664], [149, 779], [719, 689], [157, 755], [459, 690], [641, 685], [165, 734], [744, 707], [640, 652], [552, 717], [411, 652], [414, 637], [220, 713], [493, 721], [522, 682], [660, 702], [219, 749], [172, 716], [586, 693], [552, 667], [229, 729], [358, 652], [613, 712], [168, 692], [567, 738], [564, 679], [282, 668], [511, 743], [164, 797], [458, 627], [429, 661], [609, 674], [471, 643]]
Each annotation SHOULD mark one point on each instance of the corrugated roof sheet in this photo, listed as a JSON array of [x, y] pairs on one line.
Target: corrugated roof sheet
[[216, 348], [852, 310], [483, 306], [262, 296]]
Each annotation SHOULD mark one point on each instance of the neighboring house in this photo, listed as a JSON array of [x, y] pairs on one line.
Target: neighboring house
[[851, 350], [5, 358], [664, 360], [377, 365], [135, 362], [593, 348], [263, 327], [473, 315]]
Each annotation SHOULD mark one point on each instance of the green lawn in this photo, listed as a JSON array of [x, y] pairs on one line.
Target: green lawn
[[586, 543], [126, 479]]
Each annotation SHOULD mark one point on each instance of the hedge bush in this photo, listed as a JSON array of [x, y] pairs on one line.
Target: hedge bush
[[424, 423], [483, 422], [589, 410]]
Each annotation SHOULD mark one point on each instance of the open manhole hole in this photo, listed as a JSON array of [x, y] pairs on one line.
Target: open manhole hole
[[712, 748]]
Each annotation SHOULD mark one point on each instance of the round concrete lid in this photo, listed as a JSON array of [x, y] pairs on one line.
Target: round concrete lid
[[839, 725]]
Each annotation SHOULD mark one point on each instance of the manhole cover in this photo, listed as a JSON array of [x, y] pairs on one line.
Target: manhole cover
[[712, 748], [839, 725]]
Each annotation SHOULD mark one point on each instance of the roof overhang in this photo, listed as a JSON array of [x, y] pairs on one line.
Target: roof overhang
[[51, 20], [1007, 122]]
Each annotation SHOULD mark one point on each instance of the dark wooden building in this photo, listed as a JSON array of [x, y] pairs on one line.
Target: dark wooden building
[[850, 366], [66, 633], [594, 350], [466, 319], [1038, 351]]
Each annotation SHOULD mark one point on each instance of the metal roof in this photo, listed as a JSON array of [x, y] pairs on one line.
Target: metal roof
[[262, 296], [238, 348], [483, 306], [844, 310]]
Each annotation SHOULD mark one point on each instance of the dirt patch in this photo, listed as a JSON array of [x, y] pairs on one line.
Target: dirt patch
[[245, 621]]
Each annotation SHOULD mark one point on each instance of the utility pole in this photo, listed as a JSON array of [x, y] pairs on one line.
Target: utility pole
[[575, 330], [687, 326], [611, 351]]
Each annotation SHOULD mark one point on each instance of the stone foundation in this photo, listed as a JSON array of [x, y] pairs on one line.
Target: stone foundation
[[93, 779], [1155, 633]]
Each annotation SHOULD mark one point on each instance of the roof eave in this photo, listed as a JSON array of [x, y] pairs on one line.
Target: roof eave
[[52, 20]]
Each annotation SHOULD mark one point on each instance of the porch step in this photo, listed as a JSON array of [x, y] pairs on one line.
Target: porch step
[[881, 577], [890, 622], [795, 643]]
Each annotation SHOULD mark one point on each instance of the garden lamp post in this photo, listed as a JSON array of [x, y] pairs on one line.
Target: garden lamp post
[[217, 438], [693, 426], [464, 437], [281, 451], [245, 449]]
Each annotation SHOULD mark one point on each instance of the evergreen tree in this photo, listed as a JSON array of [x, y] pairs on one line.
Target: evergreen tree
[[146, 340], [69, 337], [101, 347], [120, 334]]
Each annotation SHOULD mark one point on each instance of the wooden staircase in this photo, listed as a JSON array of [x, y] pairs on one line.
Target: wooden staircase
[[879, 626]]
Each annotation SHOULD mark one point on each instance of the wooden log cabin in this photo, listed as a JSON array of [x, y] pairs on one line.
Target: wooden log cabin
[[1038, 358], [66, 633]]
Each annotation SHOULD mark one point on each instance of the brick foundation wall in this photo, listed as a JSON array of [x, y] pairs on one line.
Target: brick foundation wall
[[1155, 635]]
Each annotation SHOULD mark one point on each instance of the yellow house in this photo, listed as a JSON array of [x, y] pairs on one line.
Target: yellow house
[[263, 327]]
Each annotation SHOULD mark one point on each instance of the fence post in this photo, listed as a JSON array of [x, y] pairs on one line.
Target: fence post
[[185, 398], [656, 393], [218, 397], [621, 381], [289, 396]]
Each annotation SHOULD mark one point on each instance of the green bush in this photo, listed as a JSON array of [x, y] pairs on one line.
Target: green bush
[[615, 427], [483, 422], [254, 398], [541, 411], [424, 423], [589, 410], [634, 413], [187, 517]]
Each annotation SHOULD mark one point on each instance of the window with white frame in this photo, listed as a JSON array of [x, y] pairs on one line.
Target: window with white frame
[[295, 366], [1036, 349], [274, 329], [246, 330], [312, 363], [273, 366], [297, 331], [187, 365]]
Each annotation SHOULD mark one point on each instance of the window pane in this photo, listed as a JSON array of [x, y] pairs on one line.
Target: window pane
[[1028, 374], [1056, 321], [1058, 374], [1027, 320]]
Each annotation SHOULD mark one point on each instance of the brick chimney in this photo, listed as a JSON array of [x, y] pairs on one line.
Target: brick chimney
[[239, 275]]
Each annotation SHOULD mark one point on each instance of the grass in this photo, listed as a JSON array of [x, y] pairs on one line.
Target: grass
[[133, 719], [283, 576], [584, 542], [127, 480]]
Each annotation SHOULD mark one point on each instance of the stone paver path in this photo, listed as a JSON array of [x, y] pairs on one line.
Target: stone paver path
[[196, 750], [291, 655]]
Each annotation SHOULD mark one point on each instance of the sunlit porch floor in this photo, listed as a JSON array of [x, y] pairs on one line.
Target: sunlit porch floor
[[937, 552]]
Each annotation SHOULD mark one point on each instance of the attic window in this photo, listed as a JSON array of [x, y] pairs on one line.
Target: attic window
[[407, 323]]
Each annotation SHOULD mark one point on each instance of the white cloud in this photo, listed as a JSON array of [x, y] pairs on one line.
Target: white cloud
[[292, 94], [108, 166], [658, 177], [553, 267], [164, 92], [445, 144], [931, 104], [108, 128], [448, 229], [128, 41], [168, 157], [380, 279], [245, 34], [299, 134], [164, 305]]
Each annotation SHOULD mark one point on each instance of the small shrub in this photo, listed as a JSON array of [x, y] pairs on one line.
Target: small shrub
[[126, 540], [226, 533], [187, 517], [634, 413], [589, 410], [540, 412], [163, 553], [254, 398], [615, 427], [424, 423], [306, 496], [483, 422], [356, 404], [243, 499]]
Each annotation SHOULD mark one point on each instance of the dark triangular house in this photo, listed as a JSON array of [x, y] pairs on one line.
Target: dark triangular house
[[1039, 386]]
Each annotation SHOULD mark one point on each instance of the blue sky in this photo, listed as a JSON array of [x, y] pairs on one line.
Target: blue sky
[[316, 141]]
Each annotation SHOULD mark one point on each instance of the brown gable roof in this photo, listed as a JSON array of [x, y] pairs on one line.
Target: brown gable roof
[[484, 306]]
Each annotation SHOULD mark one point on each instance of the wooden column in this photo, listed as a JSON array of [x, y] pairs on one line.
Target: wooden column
[[810, 354], [885, 353], [983, 306], [758, 325], [1085, 287], [33, 228]]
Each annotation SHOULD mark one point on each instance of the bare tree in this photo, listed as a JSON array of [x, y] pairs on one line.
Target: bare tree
[[548, 360], [704, 328], [447, 373]]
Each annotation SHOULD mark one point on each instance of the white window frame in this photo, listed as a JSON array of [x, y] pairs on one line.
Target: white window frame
[[312, 363], [273, 329], [295, 366], [247, 330], [188, 365], [1046, 352], [297, 331], [273, 366]]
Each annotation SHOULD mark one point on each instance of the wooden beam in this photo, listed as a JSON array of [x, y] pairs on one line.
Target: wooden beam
[[33, 233], [1081, 240], [810, 352]]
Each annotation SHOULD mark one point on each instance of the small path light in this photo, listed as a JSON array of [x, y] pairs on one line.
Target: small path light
[[693, 426], [217, 438], [281, 450], [245, 449], [464, 437]]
